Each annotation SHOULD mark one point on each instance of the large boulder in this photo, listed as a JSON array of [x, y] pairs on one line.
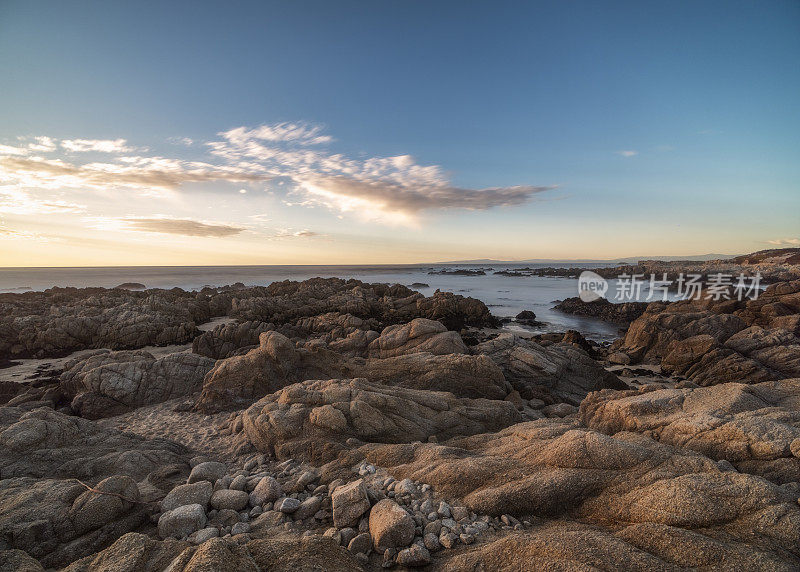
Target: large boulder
[[45, 443], [754, 427], [107, 383], [238, 381], [463, 375], [58, 521], [315, 418], [229, 339], [390, 525], [559, 372], [419, 335]]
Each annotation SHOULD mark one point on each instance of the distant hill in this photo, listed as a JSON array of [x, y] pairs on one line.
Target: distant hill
[[628, 260]]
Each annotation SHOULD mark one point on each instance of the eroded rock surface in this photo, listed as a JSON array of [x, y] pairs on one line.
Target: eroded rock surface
[[110, 383], [314, 418], [756, 427], [558, 372]]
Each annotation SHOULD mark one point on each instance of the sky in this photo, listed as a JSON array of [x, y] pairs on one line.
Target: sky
[[298, 132]]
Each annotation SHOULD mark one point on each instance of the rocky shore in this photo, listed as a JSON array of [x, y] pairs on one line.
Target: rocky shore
[[338, 425]]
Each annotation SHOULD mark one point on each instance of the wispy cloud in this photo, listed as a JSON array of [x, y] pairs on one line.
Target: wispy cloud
[[96, 145], [785, 242], [186, 227], [390, 189], [394, 189], [628, 153], [144, 173]]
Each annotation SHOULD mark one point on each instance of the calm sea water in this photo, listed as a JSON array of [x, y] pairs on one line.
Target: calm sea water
[[505, 295]]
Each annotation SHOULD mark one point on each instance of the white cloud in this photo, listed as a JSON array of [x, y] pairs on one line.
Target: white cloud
[[164, 224], [785, 242], [301, 133], [394, 189], [97, 145], [629, 153], [143, 173]]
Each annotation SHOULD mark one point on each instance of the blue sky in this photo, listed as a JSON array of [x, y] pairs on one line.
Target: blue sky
[[605, 130]]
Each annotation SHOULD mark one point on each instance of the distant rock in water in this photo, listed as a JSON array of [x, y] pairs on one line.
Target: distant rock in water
[[459, 272], [420, 285], [603, 309], [131, 286], [527, 317]]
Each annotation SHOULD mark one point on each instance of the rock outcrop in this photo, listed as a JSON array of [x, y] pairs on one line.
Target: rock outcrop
[[237, 382], [61, 320], [558, 372], [756, 428], [622, 313], [315, 418], [712, 342], [557, 469], [47, 461], [417, 336], [107, 383]]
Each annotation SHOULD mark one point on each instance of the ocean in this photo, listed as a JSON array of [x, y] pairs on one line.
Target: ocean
[[505, 296]]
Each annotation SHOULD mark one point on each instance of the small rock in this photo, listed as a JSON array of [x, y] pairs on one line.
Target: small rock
[[267, 490], [228, 499], [346, 535], [182, 521], [431, 542], [390, 525], [240, 528], [308, 508], [287, 505], [200, 536], [209, 471], [448, 539], [415, 555], [360, 544], [239, 483], [349, 503], [194, 493]]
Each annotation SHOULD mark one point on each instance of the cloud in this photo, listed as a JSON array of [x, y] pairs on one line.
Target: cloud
[[380, 197], [629, 153], [186, 227], [301, 133], [18, 201], [97, 145], [785, 242], [393, 189], [11, 234], [145, 173]]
